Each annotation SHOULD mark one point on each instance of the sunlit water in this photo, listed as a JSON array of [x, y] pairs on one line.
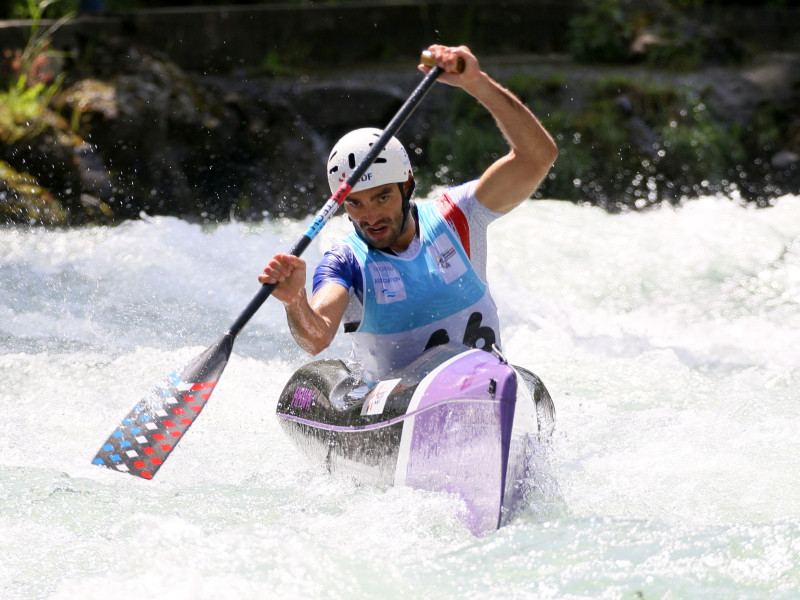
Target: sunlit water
[[669, 340]]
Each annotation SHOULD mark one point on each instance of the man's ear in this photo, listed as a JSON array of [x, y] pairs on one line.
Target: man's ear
[[408, 186]]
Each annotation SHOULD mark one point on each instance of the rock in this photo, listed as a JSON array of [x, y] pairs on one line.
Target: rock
[[650, 31], [23, 200], [785, 160], [94, 176], [134, 133], [644, 39]]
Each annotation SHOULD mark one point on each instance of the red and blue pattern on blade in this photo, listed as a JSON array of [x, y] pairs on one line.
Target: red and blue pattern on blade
[[146, 436], [150, 431]]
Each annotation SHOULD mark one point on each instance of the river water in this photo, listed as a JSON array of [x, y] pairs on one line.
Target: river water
[[669, 340]]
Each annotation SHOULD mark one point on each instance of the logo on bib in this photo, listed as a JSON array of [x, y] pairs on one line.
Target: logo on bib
[[387, 281], [446, 258]]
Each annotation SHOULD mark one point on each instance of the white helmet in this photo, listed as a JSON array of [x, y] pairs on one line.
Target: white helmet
[[391, 165]]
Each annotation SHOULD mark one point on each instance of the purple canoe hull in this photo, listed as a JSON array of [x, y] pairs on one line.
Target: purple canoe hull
[[455, 421]]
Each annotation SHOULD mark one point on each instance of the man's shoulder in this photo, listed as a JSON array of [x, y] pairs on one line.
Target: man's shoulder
[[340, 253], [455, 204], [337, 265], [461, 195], [463, 198]]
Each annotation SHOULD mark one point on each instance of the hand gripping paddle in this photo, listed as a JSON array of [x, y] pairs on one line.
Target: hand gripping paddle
[[150, 431]]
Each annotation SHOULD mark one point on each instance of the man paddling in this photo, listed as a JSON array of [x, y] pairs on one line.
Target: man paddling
[[414, 276]]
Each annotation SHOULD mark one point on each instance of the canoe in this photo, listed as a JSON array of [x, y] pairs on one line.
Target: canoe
[[456, 420]]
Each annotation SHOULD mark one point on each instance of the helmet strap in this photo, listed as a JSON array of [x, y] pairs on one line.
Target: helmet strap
[[406, 200]]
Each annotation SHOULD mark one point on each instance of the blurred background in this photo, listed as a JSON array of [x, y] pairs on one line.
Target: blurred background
[[205, 110]]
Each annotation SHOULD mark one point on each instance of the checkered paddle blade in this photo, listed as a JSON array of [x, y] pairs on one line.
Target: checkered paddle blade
[[152, 429]]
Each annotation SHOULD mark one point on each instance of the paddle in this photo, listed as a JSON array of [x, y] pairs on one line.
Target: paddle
[[150, 431]]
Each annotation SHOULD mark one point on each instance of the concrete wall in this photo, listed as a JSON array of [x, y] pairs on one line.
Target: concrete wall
[[213, 39], [221, 39], [765, 29]]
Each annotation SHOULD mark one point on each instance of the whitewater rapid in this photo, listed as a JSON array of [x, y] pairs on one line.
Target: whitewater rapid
[[669, 341]]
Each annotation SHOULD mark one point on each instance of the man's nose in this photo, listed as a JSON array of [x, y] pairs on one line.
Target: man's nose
[[370, 214]]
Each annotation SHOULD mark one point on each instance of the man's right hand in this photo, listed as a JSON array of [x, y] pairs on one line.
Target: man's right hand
[[289, 272]]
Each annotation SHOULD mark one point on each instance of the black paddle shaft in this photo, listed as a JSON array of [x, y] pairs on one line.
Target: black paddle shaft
[[149, 433], [336, 199]]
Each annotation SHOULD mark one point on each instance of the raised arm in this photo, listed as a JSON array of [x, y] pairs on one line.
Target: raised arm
[[532, 151]]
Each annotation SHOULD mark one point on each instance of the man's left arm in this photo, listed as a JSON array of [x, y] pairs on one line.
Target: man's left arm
[[514, 177]]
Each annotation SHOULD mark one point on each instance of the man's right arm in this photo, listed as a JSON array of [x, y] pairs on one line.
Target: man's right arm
[[313, 324]]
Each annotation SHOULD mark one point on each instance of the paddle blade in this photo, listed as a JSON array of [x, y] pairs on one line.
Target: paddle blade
[[152, 429]]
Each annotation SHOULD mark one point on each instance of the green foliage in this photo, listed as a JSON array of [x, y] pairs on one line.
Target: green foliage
[[600, 32], [659, 34], [772, 128], [468, 141], [644, 145], [50, 9], [701, 3], [677, 55], [24, 108], [628, 144], [532, 89], [292, 60], [275, 64], [473, 133], [34, 81], [24, 114], [697, 143], [25, 201]]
